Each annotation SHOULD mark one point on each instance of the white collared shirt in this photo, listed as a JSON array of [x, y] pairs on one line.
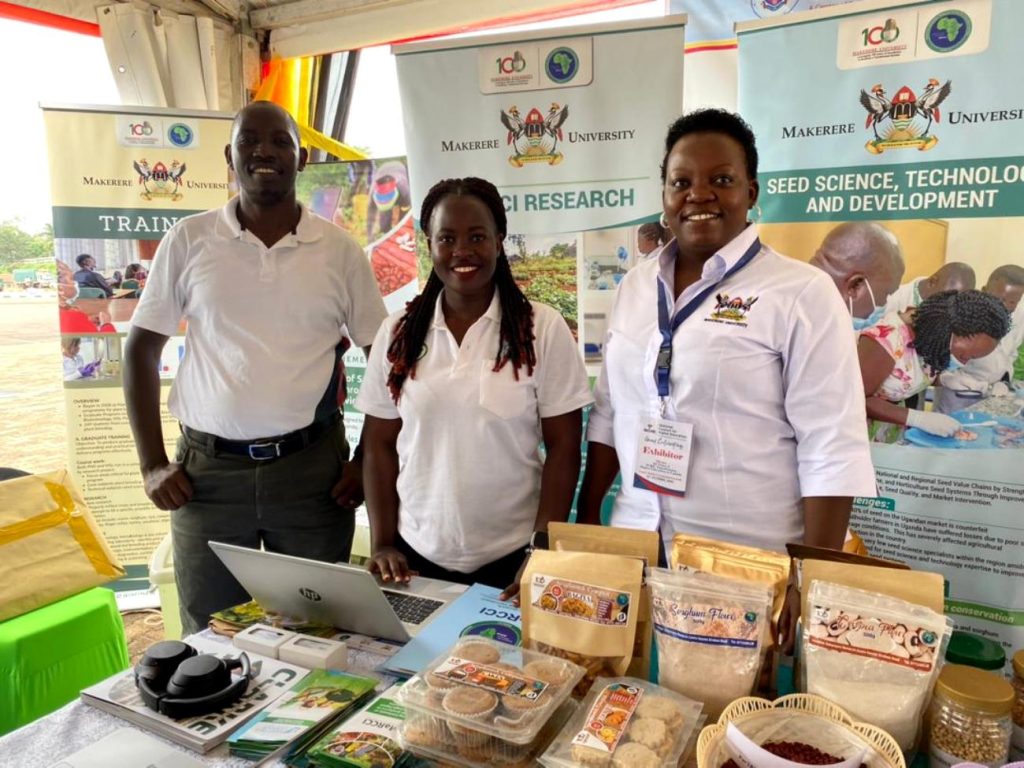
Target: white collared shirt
[[907, 295], [773, 392], [263, 323], [469, 448]]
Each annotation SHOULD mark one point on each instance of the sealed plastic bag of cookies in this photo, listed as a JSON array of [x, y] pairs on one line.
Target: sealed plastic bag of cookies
[[626, 723], [582, 607]]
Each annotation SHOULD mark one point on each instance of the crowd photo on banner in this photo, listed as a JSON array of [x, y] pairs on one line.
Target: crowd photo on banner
[[656, 400]]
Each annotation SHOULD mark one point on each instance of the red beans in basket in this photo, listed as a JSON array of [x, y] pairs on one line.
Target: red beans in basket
[[796, 752]]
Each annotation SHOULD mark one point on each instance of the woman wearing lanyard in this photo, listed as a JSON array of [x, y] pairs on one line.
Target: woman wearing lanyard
[[460, 389], [730, 396]]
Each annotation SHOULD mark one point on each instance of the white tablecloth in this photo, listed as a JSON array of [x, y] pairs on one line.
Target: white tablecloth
[[76, 726]]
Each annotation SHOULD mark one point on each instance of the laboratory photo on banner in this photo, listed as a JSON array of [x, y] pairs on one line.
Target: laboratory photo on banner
[[907, 321], [606, 256]]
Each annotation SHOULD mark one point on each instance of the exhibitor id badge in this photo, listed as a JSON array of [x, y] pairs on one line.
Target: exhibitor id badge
[[663, 457]]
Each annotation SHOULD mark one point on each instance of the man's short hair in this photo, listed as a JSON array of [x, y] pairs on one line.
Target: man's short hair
[[80, 259]]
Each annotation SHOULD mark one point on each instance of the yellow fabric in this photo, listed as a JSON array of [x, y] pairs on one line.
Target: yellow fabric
[[289, 84], [50, 545]]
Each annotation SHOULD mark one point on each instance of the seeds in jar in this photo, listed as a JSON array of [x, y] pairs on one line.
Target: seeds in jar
[[968, 745]]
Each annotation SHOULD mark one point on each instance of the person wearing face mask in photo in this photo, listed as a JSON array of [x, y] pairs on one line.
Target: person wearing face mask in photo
[[992, 375], [461, 389], [857, 256], [906, 351]]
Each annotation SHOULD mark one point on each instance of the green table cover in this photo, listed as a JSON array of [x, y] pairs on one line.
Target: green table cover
[[50, 654]]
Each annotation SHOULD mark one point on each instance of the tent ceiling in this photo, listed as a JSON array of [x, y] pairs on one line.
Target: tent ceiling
[[305, 27]]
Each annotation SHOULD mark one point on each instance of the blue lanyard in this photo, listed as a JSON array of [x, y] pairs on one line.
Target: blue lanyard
[[663, 365]]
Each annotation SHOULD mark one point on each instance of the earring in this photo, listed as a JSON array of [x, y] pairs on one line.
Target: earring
[[756, 213], [663, 221]]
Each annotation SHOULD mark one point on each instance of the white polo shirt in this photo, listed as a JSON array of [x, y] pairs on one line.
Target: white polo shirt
[[774, 396], [907, 295], [469, 449], [263, 323]]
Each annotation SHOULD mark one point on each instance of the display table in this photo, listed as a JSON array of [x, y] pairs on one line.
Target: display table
[[77, 725], [48, 655]]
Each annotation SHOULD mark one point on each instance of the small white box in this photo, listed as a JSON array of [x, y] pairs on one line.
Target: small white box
[[314, 652], [262, 639]]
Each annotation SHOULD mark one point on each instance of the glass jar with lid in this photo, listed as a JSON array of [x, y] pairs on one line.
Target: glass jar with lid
[[1017, 743], [970, 718]]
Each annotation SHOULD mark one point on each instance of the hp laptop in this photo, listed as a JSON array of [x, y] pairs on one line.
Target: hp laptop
[[342, 596]]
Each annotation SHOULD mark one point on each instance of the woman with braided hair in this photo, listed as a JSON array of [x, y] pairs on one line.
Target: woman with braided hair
[[461, 388], [907, 351]]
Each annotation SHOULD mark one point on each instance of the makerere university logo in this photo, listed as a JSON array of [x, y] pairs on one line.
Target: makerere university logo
[[535, 139], [905, 121], [159, 181]]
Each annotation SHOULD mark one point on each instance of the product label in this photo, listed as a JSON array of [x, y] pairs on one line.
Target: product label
[[707, 623], [607, 719], [575, 600], [494, 679], [903, 644], [940, 759], [1017, 744]]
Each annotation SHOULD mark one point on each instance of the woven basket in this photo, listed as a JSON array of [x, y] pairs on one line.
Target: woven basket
[[815, 715]]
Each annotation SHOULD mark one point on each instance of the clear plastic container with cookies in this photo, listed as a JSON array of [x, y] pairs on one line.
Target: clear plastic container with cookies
[[482, 692], [626, 723], [429, 738]]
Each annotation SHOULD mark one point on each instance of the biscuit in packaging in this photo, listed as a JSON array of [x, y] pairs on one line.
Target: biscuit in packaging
[[603, 539], [582, 607]]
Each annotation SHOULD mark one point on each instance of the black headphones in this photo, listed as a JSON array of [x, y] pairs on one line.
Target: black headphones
[[175, 680]]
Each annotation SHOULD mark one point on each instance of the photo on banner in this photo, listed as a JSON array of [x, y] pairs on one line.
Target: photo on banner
[[542, 116], [905, 117], [119, 180]]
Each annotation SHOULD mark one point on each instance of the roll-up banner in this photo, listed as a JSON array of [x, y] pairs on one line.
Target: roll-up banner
[[907, 114], [569, 124], [119, 180]]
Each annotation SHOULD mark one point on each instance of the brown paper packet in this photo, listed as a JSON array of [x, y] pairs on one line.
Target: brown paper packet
[[735, 561], [583, 607], [606, 540]]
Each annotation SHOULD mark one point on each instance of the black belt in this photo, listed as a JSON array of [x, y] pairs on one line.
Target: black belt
[[266, 448]]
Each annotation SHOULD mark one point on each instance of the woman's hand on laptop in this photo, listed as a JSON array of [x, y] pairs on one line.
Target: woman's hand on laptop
[[390, 565]]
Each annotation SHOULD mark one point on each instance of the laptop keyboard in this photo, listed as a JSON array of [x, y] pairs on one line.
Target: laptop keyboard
[[412, 609]]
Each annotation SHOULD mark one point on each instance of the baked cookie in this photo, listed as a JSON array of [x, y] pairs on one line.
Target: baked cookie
[[427, 732], [475, 650], [467, 737], [548, 671], [634, 755], [590, 757], [472, 703], [660, 708], [648, 731]]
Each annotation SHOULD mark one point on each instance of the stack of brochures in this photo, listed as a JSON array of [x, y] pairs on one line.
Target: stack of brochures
[[368, 739], [301, 715]]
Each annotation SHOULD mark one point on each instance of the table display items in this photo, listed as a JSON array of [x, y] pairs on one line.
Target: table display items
[[969, 719], [626, 723]]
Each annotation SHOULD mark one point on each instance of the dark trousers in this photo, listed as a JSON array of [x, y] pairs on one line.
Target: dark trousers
[[499, 573], [285, 505]]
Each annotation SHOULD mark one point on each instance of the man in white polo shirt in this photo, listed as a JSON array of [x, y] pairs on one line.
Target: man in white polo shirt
[[268, 291]]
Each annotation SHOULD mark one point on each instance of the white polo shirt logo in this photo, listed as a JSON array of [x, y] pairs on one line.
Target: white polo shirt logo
[[731, 310]]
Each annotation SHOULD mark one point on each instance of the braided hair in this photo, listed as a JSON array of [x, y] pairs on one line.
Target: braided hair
[[515, 340], [961, 313]]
